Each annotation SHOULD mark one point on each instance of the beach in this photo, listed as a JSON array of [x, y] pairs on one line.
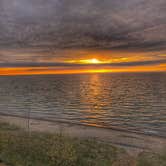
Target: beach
[[134, 143]]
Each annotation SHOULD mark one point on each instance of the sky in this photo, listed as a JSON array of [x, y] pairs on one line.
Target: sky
[[77, 36]]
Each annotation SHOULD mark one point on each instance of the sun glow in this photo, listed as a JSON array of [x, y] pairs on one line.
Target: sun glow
[[90, 61], [95, 61]]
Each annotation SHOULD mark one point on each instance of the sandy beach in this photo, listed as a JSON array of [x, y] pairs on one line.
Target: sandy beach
[[134, 143]]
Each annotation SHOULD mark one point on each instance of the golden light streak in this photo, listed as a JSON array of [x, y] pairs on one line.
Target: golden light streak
[[50, 70], [47, 70], [91, 61], [88, 61]]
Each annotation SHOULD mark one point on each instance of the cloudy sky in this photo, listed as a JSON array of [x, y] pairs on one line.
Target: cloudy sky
[[39, 36]]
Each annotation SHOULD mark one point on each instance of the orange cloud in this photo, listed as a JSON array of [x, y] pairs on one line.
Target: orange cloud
[[52, 70]]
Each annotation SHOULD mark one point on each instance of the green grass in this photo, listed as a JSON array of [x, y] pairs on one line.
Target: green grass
[[151, 159], [18, 148]]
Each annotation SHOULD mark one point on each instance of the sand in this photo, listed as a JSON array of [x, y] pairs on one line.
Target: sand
[[134, 143], [2, 164]]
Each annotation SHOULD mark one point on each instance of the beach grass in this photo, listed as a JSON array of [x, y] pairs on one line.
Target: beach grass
[[151, 159], [20, 148]]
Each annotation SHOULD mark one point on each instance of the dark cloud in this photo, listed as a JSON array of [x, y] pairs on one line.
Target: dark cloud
[[107, 24], [35, 32]]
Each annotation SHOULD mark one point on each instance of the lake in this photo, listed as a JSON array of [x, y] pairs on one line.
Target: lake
[[133, 102]]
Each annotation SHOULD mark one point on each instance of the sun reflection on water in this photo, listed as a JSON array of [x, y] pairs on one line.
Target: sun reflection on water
[[92, 96]]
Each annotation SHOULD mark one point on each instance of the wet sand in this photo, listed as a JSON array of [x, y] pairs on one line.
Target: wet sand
[[134, 143]]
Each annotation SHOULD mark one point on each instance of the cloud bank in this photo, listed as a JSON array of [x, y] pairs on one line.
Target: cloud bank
[[41, 27]]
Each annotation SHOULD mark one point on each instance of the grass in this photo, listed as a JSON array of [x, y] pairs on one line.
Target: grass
[[18, 148], [151, 159]]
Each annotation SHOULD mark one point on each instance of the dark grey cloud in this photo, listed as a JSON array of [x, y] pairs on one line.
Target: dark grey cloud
[[107, 24]]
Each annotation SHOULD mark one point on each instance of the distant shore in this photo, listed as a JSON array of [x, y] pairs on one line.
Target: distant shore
[[134, 143]]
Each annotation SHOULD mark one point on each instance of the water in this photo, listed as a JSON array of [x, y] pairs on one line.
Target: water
[[129, 101]]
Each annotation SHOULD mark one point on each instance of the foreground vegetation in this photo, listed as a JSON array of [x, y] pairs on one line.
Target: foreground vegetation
[[18, 148]]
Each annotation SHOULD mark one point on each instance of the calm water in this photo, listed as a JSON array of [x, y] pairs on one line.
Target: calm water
[[135, 102]]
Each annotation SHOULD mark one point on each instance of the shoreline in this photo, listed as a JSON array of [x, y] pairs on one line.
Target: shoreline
[[84, 73], [133, 143]]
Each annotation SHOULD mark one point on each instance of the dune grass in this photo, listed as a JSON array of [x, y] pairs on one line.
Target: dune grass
[[19, 148], [151, 159]]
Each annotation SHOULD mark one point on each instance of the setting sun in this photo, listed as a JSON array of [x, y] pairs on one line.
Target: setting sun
[[90, 61], [94, 60]]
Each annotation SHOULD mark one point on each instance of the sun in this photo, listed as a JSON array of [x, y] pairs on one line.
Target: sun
[[87, 61], [94, 61]]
